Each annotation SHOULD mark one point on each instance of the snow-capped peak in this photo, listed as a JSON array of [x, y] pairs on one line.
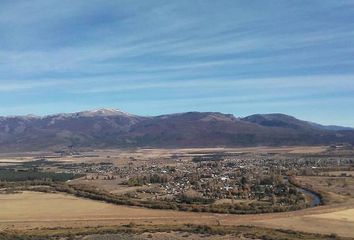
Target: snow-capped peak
[[103, 112]]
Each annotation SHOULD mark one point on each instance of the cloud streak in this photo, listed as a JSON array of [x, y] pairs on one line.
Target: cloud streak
[[112, 52], [11, 87]]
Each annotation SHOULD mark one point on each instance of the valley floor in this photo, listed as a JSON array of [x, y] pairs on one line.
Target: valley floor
[[30, 210]]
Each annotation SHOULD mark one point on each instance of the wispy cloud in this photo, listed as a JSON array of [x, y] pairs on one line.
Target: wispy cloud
[[29, 85], [112, 52], [312, 82]]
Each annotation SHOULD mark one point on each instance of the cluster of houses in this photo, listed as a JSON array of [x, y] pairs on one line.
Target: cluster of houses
[[248, 176]]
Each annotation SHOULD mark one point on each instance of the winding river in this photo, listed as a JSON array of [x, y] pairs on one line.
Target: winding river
[[315, 198]]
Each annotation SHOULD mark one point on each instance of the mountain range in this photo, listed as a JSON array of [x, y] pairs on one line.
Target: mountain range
[[108, 128]]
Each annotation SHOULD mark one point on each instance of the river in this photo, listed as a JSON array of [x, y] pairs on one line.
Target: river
[[315, 198]]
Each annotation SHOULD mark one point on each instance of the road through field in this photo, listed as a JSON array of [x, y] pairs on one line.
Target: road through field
[[32, 209]]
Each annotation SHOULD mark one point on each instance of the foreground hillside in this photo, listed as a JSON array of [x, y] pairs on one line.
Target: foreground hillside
[[114, 128]]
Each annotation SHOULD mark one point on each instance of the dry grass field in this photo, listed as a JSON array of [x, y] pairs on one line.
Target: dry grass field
[[121, 157], [338, 189], [345, 215], [341, 173], [163, 236], [312, 223], [30, 210]]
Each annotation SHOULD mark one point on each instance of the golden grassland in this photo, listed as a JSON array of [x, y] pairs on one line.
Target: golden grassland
[[46, 208], [29, 210], [345, 215]]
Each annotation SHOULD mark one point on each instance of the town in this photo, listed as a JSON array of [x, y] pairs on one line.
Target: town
[[220, 181]]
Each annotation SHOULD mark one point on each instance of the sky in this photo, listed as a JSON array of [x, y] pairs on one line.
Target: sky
[[158, 57]]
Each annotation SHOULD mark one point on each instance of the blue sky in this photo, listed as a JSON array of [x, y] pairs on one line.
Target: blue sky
[[156, 57]]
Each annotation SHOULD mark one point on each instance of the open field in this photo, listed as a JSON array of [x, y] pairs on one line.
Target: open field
[[337, 189], [30, 210], [311, 224], [162, 231], [341, 173], [345, 215], [123, 155]]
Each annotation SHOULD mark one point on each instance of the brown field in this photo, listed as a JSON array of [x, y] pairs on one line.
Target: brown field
[[29, 210], [34, 208], [341, 173], [120, 156], [345, 215], [338, 189], [312, 224], [163, 236]]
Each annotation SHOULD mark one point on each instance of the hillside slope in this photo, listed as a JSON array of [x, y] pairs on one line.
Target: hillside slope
[[114, 128]]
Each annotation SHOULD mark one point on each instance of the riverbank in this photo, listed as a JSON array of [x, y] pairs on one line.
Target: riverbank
[[316, 198]]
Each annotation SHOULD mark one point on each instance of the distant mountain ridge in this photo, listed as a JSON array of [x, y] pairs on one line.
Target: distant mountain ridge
[[114, 128], [282, 120]]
